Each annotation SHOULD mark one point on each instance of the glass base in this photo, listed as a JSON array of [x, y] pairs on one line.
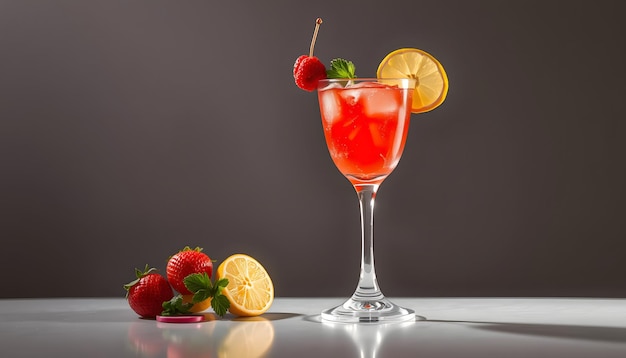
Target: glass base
[[370, 311]]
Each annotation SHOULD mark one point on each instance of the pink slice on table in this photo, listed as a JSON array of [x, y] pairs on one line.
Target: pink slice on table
[[180, 319]]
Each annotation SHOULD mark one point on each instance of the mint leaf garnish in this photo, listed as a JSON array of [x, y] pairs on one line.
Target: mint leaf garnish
[[220, 304], [200, 285], [197, 281], [175, 306], [201, 295], [340, 68]]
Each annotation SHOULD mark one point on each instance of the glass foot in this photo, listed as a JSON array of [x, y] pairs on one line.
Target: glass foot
[[368, 311]]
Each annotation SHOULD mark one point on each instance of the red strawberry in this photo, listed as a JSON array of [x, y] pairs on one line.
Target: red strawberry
[[308, 70], [147, 293], [183, 264]]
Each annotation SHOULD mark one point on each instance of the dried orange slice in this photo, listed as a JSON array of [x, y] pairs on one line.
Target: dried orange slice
[[431, 86], [250, 289]]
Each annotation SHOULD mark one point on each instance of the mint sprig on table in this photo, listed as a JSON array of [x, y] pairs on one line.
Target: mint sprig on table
[[176, 306], [340, 68], [202, 288], [200, 285]]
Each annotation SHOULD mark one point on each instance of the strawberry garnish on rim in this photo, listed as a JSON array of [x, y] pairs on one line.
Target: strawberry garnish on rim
[[308, 69]]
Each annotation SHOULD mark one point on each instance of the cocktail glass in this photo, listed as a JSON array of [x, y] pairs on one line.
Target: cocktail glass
[[365, 124]]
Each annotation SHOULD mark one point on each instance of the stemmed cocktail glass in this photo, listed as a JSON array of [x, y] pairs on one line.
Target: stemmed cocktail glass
[[365, 123]]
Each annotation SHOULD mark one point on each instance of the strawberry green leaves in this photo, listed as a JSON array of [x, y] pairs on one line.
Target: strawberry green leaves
[[340, 68], [139, 274]]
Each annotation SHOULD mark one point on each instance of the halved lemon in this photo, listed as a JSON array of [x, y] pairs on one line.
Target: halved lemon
[[250, 289], [432, 82]]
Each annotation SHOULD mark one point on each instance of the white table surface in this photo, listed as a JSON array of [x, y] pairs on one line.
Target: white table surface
[[455, 327]]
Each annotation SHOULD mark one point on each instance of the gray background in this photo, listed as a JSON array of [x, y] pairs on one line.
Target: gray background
[[129, 129]]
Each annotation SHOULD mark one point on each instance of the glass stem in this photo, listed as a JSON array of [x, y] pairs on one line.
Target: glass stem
[[368, 289]]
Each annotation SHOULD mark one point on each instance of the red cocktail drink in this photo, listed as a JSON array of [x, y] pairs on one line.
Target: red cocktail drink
[[365, 126]]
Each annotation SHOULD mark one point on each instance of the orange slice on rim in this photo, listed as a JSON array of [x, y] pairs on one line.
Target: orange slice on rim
[[431, 87]]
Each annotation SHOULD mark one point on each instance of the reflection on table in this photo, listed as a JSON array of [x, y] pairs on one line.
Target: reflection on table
[[455, 327]]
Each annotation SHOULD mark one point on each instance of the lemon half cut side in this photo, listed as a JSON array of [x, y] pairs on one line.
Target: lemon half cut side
[[250, 289]]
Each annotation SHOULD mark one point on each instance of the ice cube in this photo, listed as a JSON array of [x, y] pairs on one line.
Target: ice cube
[[377, 135], [354, 132], [351, 96], [330, 104], [381, 102]]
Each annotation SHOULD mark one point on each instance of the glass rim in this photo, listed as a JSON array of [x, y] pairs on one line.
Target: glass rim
[[367, 79], [401, 82]]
